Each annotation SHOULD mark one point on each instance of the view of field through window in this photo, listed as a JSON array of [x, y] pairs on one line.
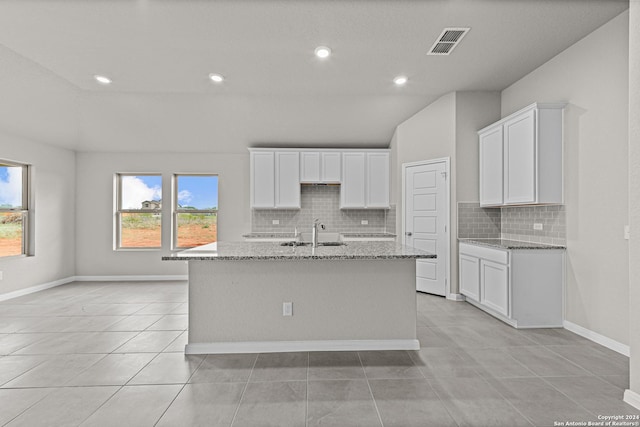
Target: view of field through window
[[140, 210], [11, 204], [140, 193], [196, 210]]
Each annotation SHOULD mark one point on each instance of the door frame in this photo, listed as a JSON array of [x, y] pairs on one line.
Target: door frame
[[447, 168]]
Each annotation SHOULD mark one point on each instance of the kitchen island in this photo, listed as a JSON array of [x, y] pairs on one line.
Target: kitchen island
[[359, 296]]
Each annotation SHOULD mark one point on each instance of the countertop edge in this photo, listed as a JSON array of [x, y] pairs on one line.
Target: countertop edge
[[513, 246], [293, 258]]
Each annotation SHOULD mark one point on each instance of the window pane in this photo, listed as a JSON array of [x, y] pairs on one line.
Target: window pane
[[195, 229], [10, 186], [140, 230], [198, 192], [10, 233], [141, 192]]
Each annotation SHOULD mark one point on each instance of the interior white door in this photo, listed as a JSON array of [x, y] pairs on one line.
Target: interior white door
[[426, 213]]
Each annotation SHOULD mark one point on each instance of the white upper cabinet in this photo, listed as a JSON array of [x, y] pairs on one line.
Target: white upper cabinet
[[491, 165], [365, 180], [276, 175], [263, 184], [331, 167], [275, 179], [378, 180], [320, 167], [352, 192], [521, 158], [310, 166], [287, 179]]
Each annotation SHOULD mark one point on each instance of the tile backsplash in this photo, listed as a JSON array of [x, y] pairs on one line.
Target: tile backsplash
[[477, 222], [323, 202], [514, 223]]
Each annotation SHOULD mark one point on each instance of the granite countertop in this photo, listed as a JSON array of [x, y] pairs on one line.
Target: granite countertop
[[269, 235], [291, 235], [372, 235], [510, 244], [274, 251]]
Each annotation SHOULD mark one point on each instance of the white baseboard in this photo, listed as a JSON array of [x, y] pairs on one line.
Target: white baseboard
[[291, 346], [632, 398], [596, 337], [456, 297], [32, 289], [42, 287], [137, 278]]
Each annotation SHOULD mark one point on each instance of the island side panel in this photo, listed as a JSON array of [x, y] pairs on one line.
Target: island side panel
[[241, 300]]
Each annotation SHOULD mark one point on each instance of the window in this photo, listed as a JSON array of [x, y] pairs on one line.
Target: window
[[138, 221], [195, 210], [14, 208]]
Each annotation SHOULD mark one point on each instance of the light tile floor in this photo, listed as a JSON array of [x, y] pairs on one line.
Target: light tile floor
[[111, 354]]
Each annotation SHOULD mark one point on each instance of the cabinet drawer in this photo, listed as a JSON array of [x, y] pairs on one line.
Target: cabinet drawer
[[483, 252]]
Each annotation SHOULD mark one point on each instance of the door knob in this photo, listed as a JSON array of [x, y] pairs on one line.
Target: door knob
[[408, 233]]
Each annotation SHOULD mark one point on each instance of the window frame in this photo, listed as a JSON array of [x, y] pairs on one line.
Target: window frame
[[176, 210], [24, 209], [117, 235]]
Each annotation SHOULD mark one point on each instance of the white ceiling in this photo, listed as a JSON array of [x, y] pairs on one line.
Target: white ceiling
[[159, 53]]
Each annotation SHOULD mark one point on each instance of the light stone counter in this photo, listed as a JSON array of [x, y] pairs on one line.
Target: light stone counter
[[237, 251], [509, 244]]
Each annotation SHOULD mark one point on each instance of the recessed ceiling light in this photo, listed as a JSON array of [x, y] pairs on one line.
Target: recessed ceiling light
[[216, 78], [400, 80], [322, 52], [103, 80]]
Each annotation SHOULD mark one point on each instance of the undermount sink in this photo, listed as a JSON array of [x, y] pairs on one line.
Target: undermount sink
[[294, 243], [324, 239]]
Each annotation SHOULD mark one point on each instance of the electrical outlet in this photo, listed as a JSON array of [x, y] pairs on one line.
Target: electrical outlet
[[364, 222], [626, 237], [287, 309], [537, 226], [275, 221]]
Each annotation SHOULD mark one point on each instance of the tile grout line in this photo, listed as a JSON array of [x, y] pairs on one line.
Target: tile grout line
[[306, 406], [181, 388], [509, 402], [375, 404], [444, 405], [244, 389], [544, 379]]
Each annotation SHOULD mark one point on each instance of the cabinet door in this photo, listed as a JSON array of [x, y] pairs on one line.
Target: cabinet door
[[287, 179], [310, 166], [520, 159], [331, 166], [494, 286], [262, 179], [469, 268], [377, 180], [352, 191], [491, 164]]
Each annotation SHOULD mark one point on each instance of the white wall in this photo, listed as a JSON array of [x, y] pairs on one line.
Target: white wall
[[95, 255], [429, 134], [592, 76], [474, 110], [634, 196], [446, 128], [53, 197]]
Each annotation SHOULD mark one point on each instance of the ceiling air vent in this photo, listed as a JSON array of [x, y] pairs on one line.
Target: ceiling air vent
[[449, 38]]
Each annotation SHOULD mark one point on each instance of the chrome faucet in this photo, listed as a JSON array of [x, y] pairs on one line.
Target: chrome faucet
[[314, 232]]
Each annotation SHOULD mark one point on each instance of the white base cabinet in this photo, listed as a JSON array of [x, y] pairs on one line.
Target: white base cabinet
[[522, 287]]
